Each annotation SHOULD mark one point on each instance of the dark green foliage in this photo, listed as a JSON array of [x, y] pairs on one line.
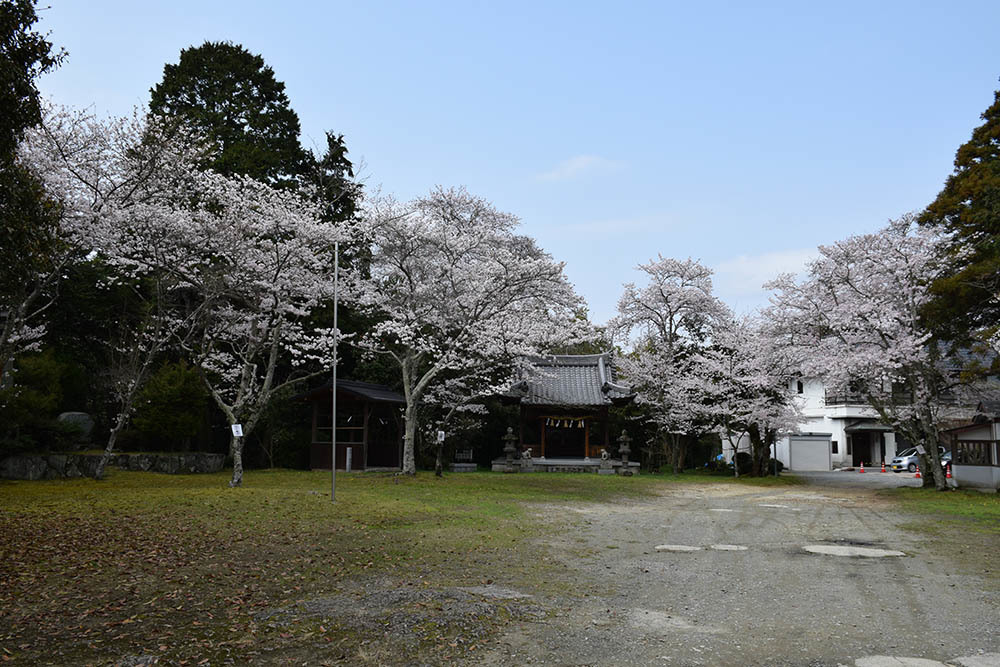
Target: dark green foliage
[[171, 409], [284, 436], [28, 410], [769, 470], [28, 235], [27, 232], [24, 56], [969, 208], [333, 176], [232, 96]]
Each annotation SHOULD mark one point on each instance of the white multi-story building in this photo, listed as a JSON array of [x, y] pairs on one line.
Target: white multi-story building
[[838, 430]]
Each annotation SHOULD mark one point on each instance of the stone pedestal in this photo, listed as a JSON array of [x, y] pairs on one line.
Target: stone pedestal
[[607, 468]]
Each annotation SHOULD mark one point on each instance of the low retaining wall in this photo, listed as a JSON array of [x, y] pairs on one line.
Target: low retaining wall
[[55, 466], [976, 477], [540, 464]]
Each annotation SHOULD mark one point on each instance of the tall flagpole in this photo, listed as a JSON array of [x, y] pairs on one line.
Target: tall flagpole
[[333, 384]]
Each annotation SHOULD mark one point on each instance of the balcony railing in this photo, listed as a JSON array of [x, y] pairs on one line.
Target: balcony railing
[[897, 398], [843, 398]]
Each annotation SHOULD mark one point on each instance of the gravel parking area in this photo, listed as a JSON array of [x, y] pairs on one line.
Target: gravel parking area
[[852, 479], [821, 574]]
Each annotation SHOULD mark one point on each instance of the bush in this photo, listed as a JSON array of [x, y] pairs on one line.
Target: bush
[[770, 467], [171, 410], [29, 405]]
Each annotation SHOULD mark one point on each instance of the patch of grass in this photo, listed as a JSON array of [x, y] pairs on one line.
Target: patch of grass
[[180, 566], [972, 510]]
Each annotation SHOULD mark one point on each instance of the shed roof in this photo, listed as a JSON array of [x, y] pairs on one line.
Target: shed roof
[[571, 380], [378, 393]]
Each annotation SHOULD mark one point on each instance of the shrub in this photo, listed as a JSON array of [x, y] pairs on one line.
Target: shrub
[[771, 465]]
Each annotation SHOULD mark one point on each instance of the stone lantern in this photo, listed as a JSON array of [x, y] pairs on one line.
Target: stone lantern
[[508, 449], [623, 452]]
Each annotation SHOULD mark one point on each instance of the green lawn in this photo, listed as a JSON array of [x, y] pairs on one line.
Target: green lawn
[[172, 565], [957, 509]]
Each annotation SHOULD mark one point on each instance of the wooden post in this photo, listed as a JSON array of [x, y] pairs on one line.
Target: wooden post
[[541, 421], [586, 439], [366, 409]]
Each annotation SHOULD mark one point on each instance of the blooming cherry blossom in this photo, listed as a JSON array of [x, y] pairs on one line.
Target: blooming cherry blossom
[[457, 292]]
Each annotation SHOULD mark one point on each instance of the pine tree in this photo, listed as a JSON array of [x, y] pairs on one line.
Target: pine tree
[[968, 208]]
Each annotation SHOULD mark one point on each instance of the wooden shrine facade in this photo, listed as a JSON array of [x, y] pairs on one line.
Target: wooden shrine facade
[[564, 406], [369, 424]]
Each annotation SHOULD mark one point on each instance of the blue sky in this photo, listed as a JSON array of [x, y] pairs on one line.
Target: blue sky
[[742, 136]]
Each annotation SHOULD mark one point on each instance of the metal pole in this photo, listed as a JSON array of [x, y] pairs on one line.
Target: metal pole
[[333, 384]]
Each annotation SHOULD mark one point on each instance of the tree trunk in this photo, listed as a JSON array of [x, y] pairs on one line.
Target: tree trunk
[[681, 456], [236, 449], [756, 446], [108, 450], [409, 438], [675, 452], [123, 416]]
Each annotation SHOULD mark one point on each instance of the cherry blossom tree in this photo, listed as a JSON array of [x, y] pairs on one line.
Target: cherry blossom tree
[[110, 180], [746, 378], [227, 267], [668, 321], [266, 262], [855, 321], [457, 292]]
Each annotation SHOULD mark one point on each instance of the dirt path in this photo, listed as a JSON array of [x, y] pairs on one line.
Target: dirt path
[[734, 584]]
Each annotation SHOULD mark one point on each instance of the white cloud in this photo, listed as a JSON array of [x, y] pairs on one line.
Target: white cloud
[[738, 281], [576, 166]]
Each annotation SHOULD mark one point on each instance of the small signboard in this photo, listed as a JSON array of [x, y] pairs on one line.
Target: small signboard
[[238, 430], [440, 436], [921, 450]]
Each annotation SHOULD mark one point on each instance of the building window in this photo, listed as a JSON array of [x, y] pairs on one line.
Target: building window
[[849, 445], [833, 446], [799, 388]]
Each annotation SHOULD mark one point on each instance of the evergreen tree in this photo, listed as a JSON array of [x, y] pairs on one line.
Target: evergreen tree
[[231, 95], [24, 56], [28, 234], [968, 208]]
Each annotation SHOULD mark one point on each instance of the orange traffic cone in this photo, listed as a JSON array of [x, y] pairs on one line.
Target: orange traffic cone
[[948, 473], [862, 467], [917, 476], [883, 465]]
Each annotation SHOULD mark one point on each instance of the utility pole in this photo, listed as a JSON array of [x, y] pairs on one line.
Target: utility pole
[[333, 382]]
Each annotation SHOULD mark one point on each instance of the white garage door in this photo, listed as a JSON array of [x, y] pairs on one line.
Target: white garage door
[[809, 452]]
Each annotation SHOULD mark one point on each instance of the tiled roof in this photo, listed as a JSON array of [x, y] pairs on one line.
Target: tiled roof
[[372, 392], [579, 380]]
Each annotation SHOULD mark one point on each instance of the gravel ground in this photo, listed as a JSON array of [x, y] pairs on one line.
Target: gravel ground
[[733, 583]]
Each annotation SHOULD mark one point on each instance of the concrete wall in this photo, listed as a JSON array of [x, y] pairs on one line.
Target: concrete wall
[[976, 477]]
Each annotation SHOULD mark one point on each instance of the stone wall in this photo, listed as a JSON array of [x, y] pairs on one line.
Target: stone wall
[[54, 466]]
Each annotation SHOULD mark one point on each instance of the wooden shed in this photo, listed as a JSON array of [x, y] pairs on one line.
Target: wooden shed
[[369, 423]]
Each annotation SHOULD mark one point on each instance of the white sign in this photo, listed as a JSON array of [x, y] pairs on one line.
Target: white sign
[[238, 430], [921, 450], [440, 436]]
